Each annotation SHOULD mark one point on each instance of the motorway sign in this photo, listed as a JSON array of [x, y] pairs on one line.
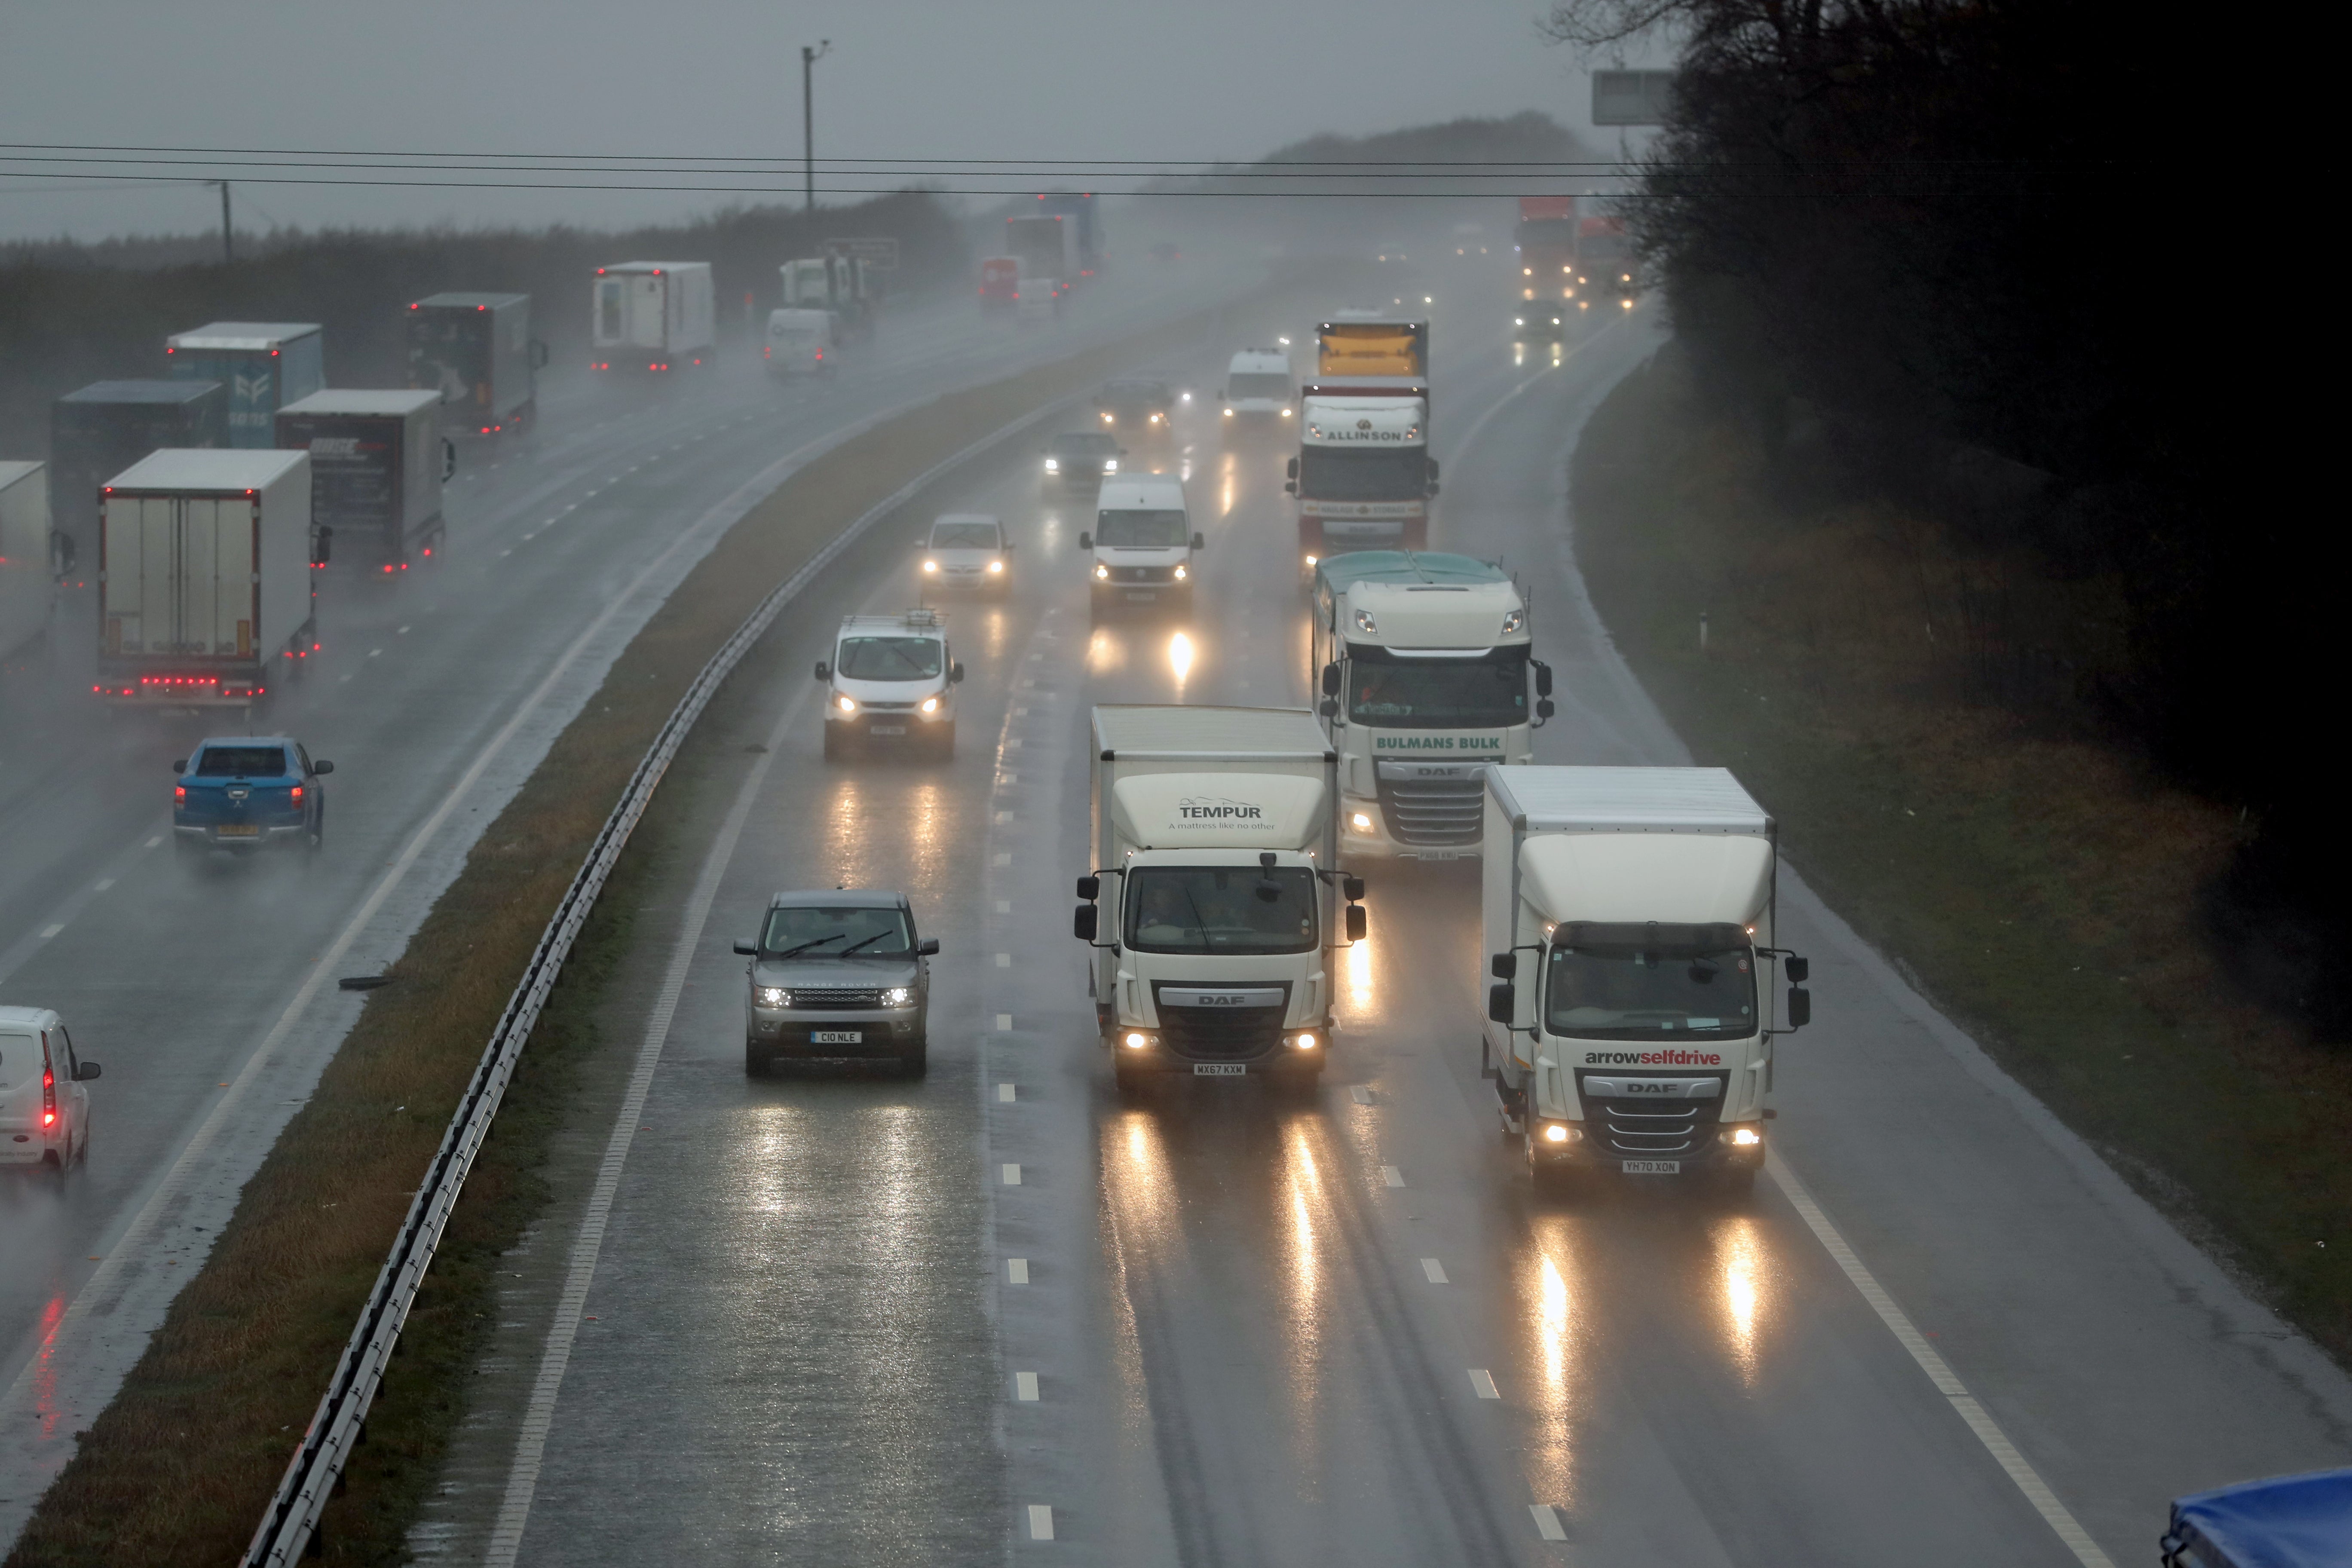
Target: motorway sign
[[1631, 98], [881, 252]]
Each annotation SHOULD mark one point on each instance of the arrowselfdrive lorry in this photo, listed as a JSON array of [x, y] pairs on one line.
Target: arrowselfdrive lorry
[[377, 463], [477, 353], [265, 365], [1628, 932], [1213, 906], [102, 429], [1425, 673], [203, 578]]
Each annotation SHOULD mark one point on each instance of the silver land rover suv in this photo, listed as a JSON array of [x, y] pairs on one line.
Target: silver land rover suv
[[837, 975]]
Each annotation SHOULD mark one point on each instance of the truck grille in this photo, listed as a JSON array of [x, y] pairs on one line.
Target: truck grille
[[1642, 1128], [1223, 1034], [1436, 812], [856, 996]]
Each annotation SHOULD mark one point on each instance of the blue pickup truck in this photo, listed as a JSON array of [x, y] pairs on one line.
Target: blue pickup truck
[[243, 793]]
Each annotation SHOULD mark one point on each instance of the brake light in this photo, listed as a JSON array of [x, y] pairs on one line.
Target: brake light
[[179, 792], [49, 1098], [298, 795]]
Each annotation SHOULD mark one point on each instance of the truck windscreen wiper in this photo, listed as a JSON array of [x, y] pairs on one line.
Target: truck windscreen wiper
[[819, 942]]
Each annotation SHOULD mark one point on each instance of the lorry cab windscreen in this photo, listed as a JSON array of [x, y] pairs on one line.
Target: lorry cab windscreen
[[890, 658], [1609, 992], [1258, 383], [864, 933], [1221, 908], [1363, 473], [1164, 530], [1406, 693], [240, 761]]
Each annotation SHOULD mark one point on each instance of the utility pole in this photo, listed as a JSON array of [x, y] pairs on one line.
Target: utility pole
[[809, 57], [229, 245]]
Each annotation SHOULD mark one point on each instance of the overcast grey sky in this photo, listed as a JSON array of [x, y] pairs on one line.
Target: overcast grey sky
[[908, 79]]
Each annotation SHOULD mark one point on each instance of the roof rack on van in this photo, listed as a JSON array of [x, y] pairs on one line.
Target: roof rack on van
[[920, 618]]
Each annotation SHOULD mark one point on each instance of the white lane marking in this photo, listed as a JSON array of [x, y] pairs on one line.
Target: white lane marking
[[1360, 1094], [1012, 1175], [2012, 1463], [1004, 1022], [1004, 906], [374, 651], [538, 1415], [1391, 1176], [1014, 744], [1003, 816], [1546, 1521], [153, 842], [502, 555], [401, 633], [50, 930], [1004, 857], [1004, 961], [1020, 713], [104, 883], [1005, 1093], [344, 681], [1004, 779], [1482, 1383], [1435, 1270], [1016, 1269], [1025, 1387], [1040, 1522]]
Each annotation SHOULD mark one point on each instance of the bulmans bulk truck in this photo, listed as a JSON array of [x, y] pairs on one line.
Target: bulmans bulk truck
[[265, 365], [203, 578], [476, 352], [102, 429], [1631, 1020], [378, 460], [652, 317], [1213, 906], [29, 568], [1424, 665]]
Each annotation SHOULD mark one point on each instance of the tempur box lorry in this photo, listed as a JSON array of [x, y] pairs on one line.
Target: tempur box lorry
[[28, 579], [1213, 905], [102, 429], [265, 365], [204, 578], [377, 461], [1628, 931]]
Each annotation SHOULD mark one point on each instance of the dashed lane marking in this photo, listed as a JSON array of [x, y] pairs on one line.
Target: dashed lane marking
[[1546, 1521], [1005, 1093], [1004, 906], [1482, 1383], [1391, 1176], [1004, 961], [1003, 858], [1025, 1387], [1041, 1522], [1004, 1022], [1016, 1269], [1012, 1175], [1435, 1270], [153, 842], [104, 883], [50, 930], [1360, 1094]]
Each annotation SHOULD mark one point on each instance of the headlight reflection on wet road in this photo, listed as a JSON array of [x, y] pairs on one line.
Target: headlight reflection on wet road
[[1180, 658]]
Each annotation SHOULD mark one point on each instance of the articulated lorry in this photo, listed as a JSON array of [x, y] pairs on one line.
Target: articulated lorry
[[204, 578], [1605, 264], [378, 461], [1424, 666], [1363, 475], [1628, 918], [102, 429], [265, 365], [846, 287], [1546, 298], [1086, 236], [652, 317], [476, 352], [1214, 907], [1045, 243], [28, 554]]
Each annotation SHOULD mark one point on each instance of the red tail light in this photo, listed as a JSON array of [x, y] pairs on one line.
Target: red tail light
[[179, 792], [49, 1098], [298, 795]]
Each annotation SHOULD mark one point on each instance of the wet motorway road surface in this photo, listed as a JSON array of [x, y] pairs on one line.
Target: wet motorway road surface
[[840, 1318], [209, 994]]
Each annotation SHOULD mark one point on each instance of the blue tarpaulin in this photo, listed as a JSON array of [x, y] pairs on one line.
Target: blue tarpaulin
[[2287, 1522]]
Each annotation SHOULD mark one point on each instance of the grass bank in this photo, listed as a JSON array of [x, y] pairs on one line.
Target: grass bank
[[178, 1469], [1916, 712]]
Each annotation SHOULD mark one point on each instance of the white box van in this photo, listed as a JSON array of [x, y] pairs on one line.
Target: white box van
[[652, 317], [1143, 544], [44, 1109], [1259, 392], [799, 342]]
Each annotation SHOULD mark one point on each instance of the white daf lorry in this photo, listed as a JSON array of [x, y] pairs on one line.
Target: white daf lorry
[[1424, 660], [1213, 907], [1628, 930]]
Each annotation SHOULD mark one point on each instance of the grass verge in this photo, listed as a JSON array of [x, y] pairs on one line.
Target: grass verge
[[178, 1469], [1906, 706]]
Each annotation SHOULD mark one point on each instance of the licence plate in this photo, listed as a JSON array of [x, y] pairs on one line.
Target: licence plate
[[836, 1037], [887, 730], [241, 830], [1654, 1167], [1141, 598], [1220, 1069]]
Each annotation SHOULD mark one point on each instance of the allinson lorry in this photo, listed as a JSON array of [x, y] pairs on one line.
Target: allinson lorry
[[205, 595], [377, 463], [265, 365], [1424, 668], [1213, 907], [652, 317], [1363, 475], [1628, 931]]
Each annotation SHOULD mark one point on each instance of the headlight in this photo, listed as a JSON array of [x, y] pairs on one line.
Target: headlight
[[1517, 620], [1519, 321], [1184, 398], [1155, 419], [1111, 465], [1229, 414], [1365, 624], [1137, 1040], [930, 704], [772, 996], [1360, 823], [996, 566], [1285, 413], [844, 704], [930, 566], [1182, 573], [1102, 573], [898, 997], [1108, 420], [1052, 465], [1556, 1133], [1310, 561], [1743, 1138]]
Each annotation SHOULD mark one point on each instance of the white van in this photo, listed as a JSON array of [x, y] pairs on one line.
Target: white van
[[44, 1110], [799, 342], [1258, 392], [891, 682], [1143, 544]]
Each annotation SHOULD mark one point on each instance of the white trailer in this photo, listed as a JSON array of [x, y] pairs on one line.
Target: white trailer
[[28, 565], [205, 593], [1628, 922], [1213, 906], [1425, 666], [378, 460], [652, 317]]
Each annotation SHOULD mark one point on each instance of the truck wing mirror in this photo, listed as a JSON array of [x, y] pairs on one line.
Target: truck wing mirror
[[323, 545], [1355, 922], [1502, 1002], [1504, 966], [1082, 922], [1546, 708], [1433, 473], [1090, 888], [181, 766], [449, 459], [1798, 970], [1433, 488], [1290, 487], [1331, 679], [85, 1071], [928, 948], [1328, 708], [1291, 472], [321, 768], [955, 673], [823, 670], [1199, 544], [1085, 542], [747, 949], [1353, 886], [1543, 679], [1801, 1006]]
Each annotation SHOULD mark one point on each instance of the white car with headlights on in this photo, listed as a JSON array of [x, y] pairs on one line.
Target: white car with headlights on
[[837, 975], [966, 550], [891, 681]]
